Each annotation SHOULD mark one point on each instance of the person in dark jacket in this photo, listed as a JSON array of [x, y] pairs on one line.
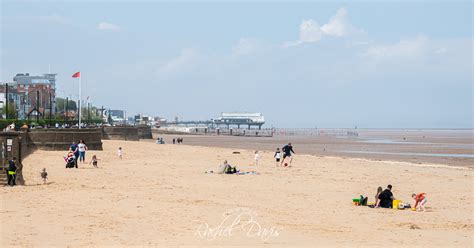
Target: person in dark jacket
[[287, 150], [12, 172], [386, 198], [75, 149]]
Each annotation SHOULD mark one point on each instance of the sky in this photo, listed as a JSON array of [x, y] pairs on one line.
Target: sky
[[370, 64]]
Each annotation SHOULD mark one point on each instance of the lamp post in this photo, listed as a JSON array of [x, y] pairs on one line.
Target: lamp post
[[37, 105], [6, 101], [50, 107]]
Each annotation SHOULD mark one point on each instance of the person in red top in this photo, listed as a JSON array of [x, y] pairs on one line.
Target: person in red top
[[420, 201]]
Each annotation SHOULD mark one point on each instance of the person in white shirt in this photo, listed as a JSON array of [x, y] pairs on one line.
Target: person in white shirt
[[120, 152], [277, 156], [257, 157], [82, 151]]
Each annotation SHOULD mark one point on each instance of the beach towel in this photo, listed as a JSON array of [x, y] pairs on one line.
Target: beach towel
[[247, 173]]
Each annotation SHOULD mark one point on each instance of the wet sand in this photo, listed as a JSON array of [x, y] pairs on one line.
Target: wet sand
[[447, 147], [160, 195]]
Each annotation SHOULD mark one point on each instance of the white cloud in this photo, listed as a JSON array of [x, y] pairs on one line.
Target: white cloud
[[408, 48], [338, 26], [182, 61], [247, 46], [310, 31], [107, 26]]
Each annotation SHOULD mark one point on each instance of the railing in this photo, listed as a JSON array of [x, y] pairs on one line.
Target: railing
[[340, 132]]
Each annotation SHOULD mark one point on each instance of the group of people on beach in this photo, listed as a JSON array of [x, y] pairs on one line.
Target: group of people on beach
[[385, 198], [287, 152], [177, 140], [281, 160], [77, 154]]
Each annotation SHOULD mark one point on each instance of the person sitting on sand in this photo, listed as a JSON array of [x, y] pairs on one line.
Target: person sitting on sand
[[226, 168], [420, 201], [379, 190], [386, 197]]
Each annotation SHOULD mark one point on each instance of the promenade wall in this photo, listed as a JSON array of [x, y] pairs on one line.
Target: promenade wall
[[144, 132], [120, 133], [61, 139]]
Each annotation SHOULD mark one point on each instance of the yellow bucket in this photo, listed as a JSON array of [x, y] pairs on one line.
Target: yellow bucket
[[395, 204]]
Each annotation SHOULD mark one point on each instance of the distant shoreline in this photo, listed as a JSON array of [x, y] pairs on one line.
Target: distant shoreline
[[434, 147]]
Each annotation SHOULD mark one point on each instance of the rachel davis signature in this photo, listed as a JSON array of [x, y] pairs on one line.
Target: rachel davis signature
[[238, 220]]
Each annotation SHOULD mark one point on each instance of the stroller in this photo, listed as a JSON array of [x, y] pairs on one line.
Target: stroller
[[70, 161]]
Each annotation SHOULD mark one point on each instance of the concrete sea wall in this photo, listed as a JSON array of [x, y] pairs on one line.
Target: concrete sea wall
[[144, 132], [120, 133], [60, 139]]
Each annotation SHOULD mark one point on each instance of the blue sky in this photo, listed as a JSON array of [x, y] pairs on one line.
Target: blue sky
[[326, 64]]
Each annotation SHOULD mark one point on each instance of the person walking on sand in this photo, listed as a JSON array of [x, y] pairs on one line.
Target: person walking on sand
[[287, 150], [75, 150], [277, 156], [11, 172], [120, 152], [94, 161], [257, 158], [82, 148], [44, 175]]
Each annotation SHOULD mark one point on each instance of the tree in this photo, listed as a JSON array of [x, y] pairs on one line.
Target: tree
[[109, 119], [12, 114], [61, 104]]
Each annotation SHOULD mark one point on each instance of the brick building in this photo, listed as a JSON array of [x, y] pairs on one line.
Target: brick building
[[32, 95]]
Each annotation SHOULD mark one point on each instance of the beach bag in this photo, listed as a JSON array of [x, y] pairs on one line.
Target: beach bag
[[363, 200]]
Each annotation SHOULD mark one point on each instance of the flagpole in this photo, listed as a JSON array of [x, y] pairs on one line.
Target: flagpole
[[80, 99]]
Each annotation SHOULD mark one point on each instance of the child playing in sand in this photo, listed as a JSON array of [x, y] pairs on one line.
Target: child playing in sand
[[119, 152], [420, 201], [44, 175], [257, 157], [277, 156], [94, 161]]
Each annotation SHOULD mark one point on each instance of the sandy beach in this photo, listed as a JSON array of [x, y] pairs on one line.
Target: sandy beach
[[160, 195], [419, 146]]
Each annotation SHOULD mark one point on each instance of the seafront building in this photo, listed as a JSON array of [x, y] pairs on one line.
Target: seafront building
[[31, 96], [240, 118], [228, 123]]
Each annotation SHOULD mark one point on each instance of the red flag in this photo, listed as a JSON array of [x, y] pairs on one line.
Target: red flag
[[76, 75]]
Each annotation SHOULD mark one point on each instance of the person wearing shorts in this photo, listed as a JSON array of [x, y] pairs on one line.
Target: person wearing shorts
[[420, 201], [277, 156], [287, 150]]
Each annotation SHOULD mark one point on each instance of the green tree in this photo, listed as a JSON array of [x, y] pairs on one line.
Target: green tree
[[61, 104], [12, 114]]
